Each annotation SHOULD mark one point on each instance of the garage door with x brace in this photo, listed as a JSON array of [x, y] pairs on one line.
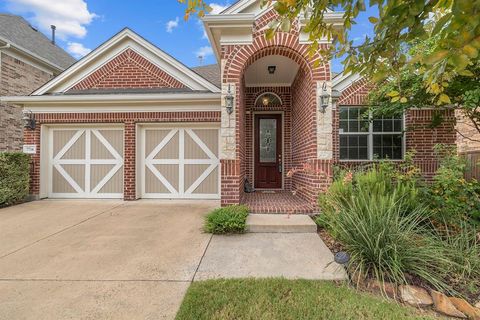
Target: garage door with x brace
[[180, 162], [86, 163]]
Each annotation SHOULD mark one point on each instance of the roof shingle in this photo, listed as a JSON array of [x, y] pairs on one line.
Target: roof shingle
[[18, 32]]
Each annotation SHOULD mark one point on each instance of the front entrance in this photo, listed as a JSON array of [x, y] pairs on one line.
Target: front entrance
[[268, 151]]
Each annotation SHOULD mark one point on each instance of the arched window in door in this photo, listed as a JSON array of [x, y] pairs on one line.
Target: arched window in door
[[268, 99]]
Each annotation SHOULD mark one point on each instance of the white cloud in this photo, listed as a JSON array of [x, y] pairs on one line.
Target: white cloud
[[70, 16], [77, 49], [204, 52], [172, 24], [217, 8]]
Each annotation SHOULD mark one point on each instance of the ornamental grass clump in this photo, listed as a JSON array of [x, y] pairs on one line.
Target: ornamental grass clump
[[231, 219], [385, 243]]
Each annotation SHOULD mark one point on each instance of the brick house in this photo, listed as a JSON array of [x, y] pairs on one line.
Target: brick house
[[129, 121], [28, 60]]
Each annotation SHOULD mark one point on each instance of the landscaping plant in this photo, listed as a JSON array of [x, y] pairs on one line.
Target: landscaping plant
[[452, 198], [14, 177], [385, 218], [231, 219]]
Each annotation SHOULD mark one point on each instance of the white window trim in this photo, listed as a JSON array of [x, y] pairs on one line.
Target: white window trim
[[370, 135]]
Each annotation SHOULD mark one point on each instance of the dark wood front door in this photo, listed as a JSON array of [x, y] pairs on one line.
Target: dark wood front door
[[268, 151]]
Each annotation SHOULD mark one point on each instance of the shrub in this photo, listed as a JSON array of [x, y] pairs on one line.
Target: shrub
[[230, 219], [453, 199], [14, 177], [384, 242]]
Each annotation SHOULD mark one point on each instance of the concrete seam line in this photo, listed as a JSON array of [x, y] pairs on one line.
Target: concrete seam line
[[201, 259], [60, 231], [93, 280]]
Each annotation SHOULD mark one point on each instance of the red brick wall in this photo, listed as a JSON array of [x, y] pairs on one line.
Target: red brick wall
[[238, 58], [16, 78], [128, 119], [304, 135], [420, 137], [128, 70]]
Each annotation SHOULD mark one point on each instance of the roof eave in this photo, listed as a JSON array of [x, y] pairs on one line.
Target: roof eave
[[109, 98]]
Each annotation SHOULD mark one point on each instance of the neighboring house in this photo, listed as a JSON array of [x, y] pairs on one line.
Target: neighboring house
[[28, 60], [129, 121]]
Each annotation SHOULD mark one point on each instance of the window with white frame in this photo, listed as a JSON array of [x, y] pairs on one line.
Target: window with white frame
[[363, 137]]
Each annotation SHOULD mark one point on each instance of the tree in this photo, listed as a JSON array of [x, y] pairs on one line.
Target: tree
[[455, 24]]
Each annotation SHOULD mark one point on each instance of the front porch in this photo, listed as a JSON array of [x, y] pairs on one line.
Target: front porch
[[277, 202]]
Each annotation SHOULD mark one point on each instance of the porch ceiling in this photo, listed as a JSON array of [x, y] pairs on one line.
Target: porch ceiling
[[257, 75]]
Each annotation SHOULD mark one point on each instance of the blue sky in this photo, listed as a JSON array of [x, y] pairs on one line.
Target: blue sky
[[83, 25]]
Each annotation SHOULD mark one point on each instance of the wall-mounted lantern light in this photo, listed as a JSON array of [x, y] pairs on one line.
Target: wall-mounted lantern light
[[229, 101], [28, 120], [324, 97], [335, 97]]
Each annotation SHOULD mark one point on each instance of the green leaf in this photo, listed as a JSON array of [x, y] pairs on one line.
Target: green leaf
[[395, 99], [393, 93], [443, 98], [470, 51], [373, 20], [435, 57], [403, 100]]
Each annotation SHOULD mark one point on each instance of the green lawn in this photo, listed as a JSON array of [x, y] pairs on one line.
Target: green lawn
[[284, 299]]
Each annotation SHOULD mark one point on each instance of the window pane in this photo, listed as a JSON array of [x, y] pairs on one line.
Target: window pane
[[353, 153], [343, 126], [354, 147], [363, 153], [268, 140], [388, 146], [353, 113], [397, 126], [387, 125], [353, 126], [344, 113], [377, 125], [364, 126]]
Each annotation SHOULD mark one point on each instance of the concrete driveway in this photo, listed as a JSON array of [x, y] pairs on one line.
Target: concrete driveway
[[99, 259]]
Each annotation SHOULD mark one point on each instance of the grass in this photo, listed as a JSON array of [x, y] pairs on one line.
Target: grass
[[263, 299], [231, 219]]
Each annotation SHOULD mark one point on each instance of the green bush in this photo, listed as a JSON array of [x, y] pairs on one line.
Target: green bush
[[389, 223], [384, 242], [453, 199], [14, 177], [230, 219]]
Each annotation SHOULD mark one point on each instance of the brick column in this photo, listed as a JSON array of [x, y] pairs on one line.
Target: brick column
[[129, 175], [33, 137], [231, 182]]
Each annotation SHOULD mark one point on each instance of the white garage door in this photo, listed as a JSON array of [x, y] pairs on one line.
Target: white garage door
[[180, 162], [86, 163]]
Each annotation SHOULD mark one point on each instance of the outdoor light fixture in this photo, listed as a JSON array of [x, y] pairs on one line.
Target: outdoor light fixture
[[342, 258], [229, 101], [28, 120], [271, 69], [324, 97]]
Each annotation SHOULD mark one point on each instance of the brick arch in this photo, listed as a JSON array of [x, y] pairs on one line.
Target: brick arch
[[244, 56]]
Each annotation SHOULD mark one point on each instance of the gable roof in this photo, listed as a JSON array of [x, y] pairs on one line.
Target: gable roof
[[210, 72], [16, 31], [126, 39]]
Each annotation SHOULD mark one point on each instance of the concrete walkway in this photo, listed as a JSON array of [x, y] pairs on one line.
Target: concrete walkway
[[264, 255]]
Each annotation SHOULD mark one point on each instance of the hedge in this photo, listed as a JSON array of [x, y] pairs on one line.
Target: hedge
[[14, 177]]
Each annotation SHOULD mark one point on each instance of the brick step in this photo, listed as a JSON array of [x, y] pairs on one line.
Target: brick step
[[280, 223]]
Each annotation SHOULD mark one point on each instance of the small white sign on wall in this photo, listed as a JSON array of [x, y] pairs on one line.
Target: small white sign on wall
[[30, 148]]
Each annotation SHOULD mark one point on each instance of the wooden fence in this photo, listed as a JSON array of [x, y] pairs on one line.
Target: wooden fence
[[473, 166]]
